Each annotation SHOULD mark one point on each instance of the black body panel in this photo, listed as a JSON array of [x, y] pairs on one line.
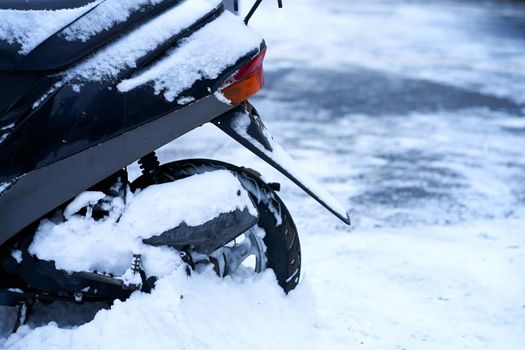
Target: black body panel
[[12, 86], [52, 185], [67, 121]]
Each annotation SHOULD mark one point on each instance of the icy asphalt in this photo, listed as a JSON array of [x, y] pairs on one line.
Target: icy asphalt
[[413, 115]]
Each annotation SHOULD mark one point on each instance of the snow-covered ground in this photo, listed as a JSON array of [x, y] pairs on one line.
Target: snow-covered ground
[[412, 114]]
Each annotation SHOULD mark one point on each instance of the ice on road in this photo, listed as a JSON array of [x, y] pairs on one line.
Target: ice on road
[[413, 115]]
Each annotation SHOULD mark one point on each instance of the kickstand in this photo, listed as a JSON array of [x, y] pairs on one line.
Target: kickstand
[[24, 309]]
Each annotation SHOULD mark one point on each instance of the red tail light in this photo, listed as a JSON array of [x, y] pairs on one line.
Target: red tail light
[[246, 81]]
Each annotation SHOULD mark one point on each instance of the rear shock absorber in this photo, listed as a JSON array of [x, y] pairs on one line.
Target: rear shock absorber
[[149, 164]]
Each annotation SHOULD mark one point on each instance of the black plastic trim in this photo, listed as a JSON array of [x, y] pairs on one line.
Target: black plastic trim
[[48, 187]]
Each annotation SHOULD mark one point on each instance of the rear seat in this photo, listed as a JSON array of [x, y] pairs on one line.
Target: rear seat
[[42, 4], [58, 50]]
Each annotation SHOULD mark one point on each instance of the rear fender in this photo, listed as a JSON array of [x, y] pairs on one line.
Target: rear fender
[[245, 126]]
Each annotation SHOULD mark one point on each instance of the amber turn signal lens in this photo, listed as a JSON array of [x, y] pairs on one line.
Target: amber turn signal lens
[[242, 90], [246, 81]]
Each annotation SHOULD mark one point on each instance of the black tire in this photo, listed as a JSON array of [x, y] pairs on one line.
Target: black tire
[[283, 250]]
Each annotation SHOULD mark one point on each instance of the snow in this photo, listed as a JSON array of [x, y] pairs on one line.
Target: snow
[[17, 255], [203, 55], [5, 131], [448, 288], [147, 215], [184, 100], [31, 28], [220, 96], [83, 244], [214, 313], [103, 17], [7, 127], [84, 199], [382, 290], [4, 186], [131, 277]]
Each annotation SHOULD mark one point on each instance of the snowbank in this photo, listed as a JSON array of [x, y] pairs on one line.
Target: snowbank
[[198, 312], [376, 289]]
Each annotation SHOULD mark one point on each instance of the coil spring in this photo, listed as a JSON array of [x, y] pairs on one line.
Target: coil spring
[[149, 163], [137, 261]]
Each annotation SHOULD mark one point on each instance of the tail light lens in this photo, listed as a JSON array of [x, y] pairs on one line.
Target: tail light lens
[[246, 81]]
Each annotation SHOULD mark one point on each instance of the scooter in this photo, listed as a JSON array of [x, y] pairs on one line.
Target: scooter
[[103, 85]]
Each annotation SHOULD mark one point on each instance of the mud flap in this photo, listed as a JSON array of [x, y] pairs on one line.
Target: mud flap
[[244, 125]]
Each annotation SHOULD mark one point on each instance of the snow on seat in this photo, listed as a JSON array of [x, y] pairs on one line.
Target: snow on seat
[[21, 31], [48, 35], [42, 4]]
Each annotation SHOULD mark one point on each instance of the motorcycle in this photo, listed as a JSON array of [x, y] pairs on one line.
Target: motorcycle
[[90, 87]]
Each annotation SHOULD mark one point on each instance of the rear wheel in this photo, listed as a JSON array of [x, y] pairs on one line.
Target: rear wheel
[[279, 249]]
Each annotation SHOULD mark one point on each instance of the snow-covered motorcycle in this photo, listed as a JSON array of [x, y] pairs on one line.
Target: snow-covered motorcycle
[[90, 87]]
